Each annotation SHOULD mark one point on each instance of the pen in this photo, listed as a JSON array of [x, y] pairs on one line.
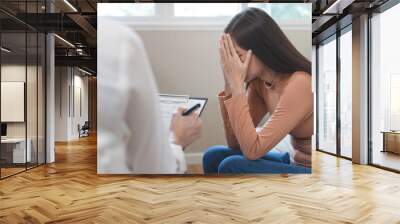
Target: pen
[[189, 111]]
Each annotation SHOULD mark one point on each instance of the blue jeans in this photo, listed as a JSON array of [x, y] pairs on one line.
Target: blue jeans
[[221, 159]]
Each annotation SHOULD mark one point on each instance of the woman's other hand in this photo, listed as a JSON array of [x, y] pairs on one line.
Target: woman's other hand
[[234, 69], [186, 129]]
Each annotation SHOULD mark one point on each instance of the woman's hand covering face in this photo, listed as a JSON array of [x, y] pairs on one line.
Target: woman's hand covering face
[[234, 69]]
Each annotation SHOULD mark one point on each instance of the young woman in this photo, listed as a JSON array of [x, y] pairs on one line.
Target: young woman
[[264, 73]]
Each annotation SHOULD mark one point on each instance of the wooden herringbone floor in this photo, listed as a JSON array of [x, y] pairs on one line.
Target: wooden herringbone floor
[[70, 191]]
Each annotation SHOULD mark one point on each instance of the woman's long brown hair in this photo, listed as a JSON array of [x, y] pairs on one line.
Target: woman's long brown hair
[[253, 29]]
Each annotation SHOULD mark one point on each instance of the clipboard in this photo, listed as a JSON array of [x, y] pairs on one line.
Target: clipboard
[[202, 100], [170, 103]]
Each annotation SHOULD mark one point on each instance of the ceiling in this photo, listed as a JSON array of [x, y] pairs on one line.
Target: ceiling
[[332, 15], [76, 24]]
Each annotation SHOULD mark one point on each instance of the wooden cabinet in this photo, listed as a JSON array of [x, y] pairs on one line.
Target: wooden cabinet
[[391, 142]]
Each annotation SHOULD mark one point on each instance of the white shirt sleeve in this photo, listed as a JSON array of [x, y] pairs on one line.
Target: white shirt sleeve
[[180, 158], [132, 138]]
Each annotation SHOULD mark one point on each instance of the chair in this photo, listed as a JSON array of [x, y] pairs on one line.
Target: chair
[[84, 130]]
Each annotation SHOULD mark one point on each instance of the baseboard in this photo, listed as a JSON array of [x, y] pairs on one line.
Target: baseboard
[[194, 158]]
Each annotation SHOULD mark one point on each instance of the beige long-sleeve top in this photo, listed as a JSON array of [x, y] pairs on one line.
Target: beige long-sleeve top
[[291, 109]]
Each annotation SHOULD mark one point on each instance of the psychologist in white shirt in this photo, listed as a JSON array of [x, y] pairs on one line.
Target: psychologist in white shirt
[[131, 136]]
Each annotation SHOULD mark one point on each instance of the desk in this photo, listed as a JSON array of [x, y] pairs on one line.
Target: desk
[[13, 150], [391, 141]]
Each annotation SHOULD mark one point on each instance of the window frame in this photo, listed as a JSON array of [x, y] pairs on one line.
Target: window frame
[[164, 18], [342, 32], [371, 14], [334, 37], [27, 29]]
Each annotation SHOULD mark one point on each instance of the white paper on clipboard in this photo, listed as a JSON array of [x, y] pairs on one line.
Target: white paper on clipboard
[[195, 100], [170, 104]]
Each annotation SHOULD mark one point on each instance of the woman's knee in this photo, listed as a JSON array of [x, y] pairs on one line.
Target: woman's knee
[[212, 158], [213, 152], [232, 164]]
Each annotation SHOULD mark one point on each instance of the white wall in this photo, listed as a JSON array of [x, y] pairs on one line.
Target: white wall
[[67, 81], [15, 72], [186, 61], [80, 83], [9, 73], [61, 103], [33, 126]]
